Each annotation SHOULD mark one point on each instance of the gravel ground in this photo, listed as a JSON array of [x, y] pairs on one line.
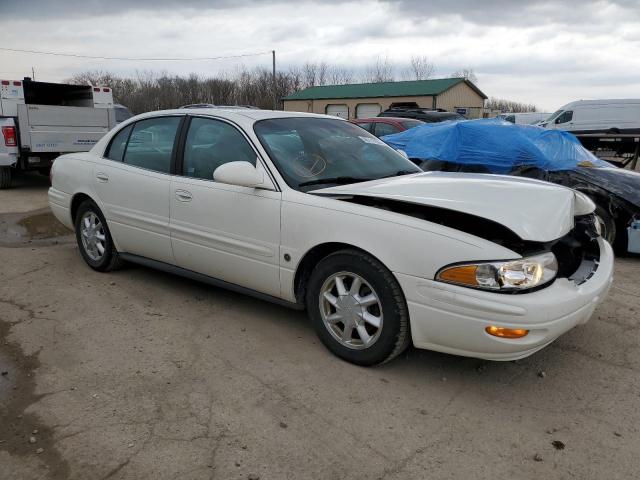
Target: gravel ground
[[139, 374]]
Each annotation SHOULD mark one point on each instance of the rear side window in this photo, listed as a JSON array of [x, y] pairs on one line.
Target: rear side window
[[151, 143], [118, 144]]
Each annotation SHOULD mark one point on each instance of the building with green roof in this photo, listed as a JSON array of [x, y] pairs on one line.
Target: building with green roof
[[363, 100]]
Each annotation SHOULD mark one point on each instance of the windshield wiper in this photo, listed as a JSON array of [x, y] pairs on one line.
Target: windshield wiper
[[336, 180], [400, 173]]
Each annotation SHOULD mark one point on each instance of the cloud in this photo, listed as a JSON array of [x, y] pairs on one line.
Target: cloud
[[538, 51]]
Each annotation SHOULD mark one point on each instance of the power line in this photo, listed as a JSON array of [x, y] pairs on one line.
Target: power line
[[135, 59]]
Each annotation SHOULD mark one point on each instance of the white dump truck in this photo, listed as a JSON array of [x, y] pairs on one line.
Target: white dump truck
[[41, 120]]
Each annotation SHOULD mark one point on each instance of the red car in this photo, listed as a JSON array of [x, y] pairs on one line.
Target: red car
[[381, 126]]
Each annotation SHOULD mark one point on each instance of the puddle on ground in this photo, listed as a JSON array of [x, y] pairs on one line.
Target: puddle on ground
[[39, 227], [17, 393]]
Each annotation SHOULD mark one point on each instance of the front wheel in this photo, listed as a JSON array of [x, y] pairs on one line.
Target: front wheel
[[94, 239], [357, 308], [607, 223]]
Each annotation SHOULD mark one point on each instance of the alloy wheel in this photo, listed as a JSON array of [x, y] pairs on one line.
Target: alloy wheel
[[351, 310]]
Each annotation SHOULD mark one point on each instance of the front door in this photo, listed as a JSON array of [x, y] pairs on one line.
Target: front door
[[228, 232]]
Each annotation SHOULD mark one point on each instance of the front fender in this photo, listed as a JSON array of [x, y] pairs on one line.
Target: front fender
[[403, 244]]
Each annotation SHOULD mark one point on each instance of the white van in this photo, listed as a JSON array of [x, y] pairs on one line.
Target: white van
[[597, 116], [525, 118]]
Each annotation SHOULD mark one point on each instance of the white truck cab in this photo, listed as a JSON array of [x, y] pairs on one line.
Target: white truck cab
[[597, 116], [41, 120]]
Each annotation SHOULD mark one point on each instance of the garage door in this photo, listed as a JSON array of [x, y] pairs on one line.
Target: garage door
[[367, 110], [341, 111]]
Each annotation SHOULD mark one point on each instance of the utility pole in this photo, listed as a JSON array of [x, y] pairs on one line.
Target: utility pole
[[33, 73], [275, 85]]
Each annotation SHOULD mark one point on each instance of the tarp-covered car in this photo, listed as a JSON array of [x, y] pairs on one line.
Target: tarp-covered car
[[500, 147]]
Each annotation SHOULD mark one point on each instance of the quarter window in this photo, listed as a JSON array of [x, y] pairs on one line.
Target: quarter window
[[118, 144], [151, 143], [211, 143]]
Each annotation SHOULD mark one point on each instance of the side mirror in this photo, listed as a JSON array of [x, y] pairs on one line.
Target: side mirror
[[239, 173]]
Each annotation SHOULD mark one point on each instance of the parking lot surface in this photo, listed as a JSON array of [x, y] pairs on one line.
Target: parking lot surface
[[139, 374]]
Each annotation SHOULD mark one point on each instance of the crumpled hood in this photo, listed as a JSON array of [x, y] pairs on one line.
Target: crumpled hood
[[534, 210]]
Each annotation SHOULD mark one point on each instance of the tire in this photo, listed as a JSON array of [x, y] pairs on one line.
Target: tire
[[607, 223], [375, 298], [94, 237], [5, 177]]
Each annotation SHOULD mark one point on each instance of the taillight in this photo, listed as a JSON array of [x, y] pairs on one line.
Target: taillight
[[17, 84], [105, 89], [5, 82], [96, 89], [9, 134]]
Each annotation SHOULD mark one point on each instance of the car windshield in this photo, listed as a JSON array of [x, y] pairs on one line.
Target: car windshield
[[553, 115], [312, 153]]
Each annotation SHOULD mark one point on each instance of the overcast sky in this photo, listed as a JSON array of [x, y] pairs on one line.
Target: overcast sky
[[543, 52]]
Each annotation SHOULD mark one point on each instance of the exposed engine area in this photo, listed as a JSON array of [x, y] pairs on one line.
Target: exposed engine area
[[577, 252]]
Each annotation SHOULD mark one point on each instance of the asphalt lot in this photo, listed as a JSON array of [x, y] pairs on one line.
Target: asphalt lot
[[139, 374]]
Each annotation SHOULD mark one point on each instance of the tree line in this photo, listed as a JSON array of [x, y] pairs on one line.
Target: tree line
[[148, 90]]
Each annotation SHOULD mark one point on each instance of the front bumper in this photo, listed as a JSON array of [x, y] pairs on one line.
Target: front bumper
[[452, 319]]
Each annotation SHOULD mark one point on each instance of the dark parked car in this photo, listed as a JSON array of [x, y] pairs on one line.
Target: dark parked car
[[381, 126], [499, 147], [424, 114]]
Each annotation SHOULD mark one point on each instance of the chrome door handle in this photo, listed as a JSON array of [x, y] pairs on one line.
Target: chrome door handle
[[102, 177], [183, 195]]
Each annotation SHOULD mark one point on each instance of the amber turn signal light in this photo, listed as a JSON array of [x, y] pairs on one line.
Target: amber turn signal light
[[464, 274], [506, 332]]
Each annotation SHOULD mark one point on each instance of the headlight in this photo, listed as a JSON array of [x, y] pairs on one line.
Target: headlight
[[512, 275]]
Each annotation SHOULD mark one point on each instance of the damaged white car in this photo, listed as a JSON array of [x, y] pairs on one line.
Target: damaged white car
[[314, 212]]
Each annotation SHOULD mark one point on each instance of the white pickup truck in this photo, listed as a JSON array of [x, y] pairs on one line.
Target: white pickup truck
[[40, 121]]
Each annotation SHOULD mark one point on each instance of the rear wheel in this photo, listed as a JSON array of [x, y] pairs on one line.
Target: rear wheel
[[5, 177], [94, 239], [357, 308]]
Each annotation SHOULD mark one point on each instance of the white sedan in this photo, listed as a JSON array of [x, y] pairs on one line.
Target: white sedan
[[313, 212]]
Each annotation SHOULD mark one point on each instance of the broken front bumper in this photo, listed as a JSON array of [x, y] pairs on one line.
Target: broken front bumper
[[452, 319]]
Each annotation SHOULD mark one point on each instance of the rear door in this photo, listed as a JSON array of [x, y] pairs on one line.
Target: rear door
[[133, 183]]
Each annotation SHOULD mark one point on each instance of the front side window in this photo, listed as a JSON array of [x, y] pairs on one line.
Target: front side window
[[383, 129], [407, 124], [565, 117], [118, 144], [211, 143], [312, 153], [151, 143]]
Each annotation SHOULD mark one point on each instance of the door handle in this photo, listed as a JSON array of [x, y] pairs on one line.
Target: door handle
[[183, 195], [102, 177]]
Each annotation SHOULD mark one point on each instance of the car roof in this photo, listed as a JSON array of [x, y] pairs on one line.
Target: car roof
[[235, 113], [385, 119]]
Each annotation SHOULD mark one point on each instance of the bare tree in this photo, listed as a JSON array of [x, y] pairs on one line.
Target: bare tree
[[510, 106], [466, 73], [380, 71], [420, 68], [340, 75]]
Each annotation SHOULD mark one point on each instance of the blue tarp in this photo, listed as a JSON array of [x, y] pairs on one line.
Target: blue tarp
[[498, 145]]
